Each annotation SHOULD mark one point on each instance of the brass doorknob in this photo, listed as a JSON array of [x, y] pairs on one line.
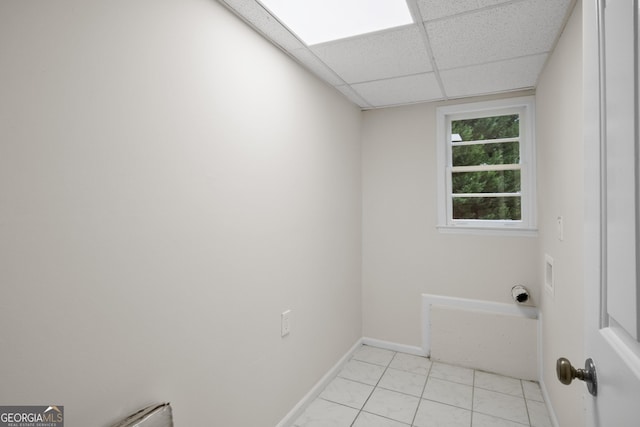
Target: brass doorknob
[[567, 373]]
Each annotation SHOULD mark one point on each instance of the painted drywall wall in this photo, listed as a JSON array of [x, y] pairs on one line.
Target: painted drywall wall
[[404, 255], [170, 183], [561, 194]]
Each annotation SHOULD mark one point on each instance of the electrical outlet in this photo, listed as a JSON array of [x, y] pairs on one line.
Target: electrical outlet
[[549, 279], [560, 228], [285, 324]]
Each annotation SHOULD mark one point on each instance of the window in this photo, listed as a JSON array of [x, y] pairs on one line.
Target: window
[[486, 167]]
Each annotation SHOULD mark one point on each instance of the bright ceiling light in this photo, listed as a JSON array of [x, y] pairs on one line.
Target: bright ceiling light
[[318, 21]]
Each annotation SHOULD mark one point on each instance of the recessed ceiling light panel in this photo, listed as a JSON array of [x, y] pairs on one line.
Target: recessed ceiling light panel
[[318, 21]]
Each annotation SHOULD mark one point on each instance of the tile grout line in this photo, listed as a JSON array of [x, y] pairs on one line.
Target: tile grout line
[[424, 387], [529, 424], [374, 387], [526, 406], [473, 393]]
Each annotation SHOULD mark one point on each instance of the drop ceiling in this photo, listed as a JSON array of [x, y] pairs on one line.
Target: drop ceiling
[[453, 49]]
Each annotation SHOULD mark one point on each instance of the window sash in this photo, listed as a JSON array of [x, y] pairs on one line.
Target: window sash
[[485, 141], [524, 107], [485, 168], [478, 168], [484, 195]]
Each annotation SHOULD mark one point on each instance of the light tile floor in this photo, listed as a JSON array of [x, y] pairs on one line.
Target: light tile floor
[[382, 388]]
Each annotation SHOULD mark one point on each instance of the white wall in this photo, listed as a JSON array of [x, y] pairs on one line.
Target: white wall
[[561, 193], [404, 255], [169, 184]]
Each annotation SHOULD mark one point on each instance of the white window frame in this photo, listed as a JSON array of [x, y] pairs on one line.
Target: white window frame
[[525, 107]]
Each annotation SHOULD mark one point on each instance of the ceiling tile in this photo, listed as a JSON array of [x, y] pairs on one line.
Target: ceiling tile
[[402, 90], [353, 96], [375, 56], [507, 31], [479, 47], [434, 9], [502, 76], [308, 59], [257, 16]]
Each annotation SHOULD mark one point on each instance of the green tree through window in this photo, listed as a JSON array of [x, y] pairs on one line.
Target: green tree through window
[[486, 175]]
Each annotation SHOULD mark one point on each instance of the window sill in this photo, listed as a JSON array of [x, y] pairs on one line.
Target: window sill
[[488, 231]]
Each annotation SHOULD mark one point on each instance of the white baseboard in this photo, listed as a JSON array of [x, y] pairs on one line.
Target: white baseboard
[[402, 348], [545, 395], [315, 391], [543, 387]]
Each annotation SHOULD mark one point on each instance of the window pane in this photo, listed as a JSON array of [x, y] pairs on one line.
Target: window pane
[[489, 208], [487, 128], [505, 153], [486, 182]]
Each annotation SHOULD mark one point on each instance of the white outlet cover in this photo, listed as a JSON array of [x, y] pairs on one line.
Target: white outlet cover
[[560, 228], [285, 323], [549, 280]]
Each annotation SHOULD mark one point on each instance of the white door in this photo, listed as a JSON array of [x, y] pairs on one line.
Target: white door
[[612, 291]]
